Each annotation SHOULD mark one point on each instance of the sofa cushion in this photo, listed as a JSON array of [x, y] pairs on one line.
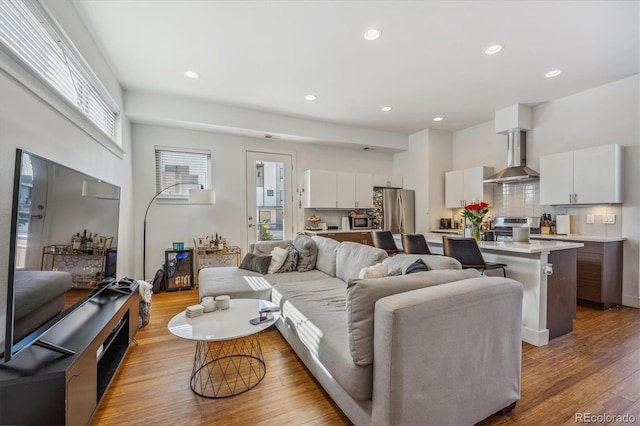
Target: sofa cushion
[[352, 257], [327, 250], [314, 316], [307, 252], [256, 263], [399, 263], [362, 295], [291, 262], [235, 282], [278, 257]]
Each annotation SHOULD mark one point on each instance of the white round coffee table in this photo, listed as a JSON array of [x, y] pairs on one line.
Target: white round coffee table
[[228, 358]]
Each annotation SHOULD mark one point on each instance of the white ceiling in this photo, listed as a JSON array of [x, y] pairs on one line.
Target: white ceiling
[[267, 55]]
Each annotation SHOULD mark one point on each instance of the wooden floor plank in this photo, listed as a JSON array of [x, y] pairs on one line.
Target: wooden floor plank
[[594, 369]]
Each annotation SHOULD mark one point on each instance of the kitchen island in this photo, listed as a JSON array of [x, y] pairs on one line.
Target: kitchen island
[[548, 272]]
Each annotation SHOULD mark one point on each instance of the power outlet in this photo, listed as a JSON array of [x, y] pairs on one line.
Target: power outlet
[[609, 219], [590, 218]]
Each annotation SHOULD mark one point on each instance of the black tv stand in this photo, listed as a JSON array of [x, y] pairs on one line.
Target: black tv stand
[[67, 389]]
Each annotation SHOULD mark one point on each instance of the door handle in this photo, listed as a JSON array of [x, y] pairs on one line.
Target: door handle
[[36, 216]]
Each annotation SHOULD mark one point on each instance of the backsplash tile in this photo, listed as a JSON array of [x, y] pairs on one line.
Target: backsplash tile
[[523, 199], [517, 199]]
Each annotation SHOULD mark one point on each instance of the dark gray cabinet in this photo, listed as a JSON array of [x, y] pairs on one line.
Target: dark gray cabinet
[[39, 386], [600, 274]]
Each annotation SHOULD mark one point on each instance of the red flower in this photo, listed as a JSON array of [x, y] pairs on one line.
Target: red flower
[[475, 211]]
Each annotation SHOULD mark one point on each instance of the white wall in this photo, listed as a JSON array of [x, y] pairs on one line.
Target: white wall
[[29, 123], [603, 115], [423, 166], [167, 222]]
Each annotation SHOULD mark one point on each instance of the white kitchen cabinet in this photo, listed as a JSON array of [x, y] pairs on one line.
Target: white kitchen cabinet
[[462, 186], [382, 181], [364, 191], [345, 190], [585, 176], [319, 189], [556, 178]]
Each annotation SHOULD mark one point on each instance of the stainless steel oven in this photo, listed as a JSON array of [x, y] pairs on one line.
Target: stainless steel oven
[[503, 226]]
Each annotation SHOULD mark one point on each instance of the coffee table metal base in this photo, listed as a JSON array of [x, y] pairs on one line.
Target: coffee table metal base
[[226, 368]]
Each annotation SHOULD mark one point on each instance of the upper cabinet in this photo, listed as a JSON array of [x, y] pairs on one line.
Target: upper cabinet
[[320, 188], [586, 176], [463, 186], [346, 190], [381, 181]]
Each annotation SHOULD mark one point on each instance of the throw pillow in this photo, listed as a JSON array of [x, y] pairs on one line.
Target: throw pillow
[[278, 257], [256, 263], [417, 266], [378, 270], [291, 262], [307, 252]]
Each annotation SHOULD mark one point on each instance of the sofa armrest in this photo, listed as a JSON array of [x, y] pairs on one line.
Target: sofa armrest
[[448, 354]]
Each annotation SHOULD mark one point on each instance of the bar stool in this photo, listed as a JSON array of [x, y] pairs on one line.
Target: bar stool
[[467, 252], [415, 244], [384, 240]]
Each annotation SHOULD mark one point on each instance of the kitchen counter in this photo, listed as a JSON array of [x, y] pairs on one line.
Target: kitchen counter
[[446, 231], [576, 237], [569, 237], [537, 246], [548, 273], [335, 231]]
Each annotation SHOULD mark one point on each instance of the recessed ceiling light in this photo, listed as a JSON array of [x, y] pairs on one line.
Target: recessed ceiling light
[[191, 74], [492, 50], [438, 118], [386, 108], [311, 97], [553, 73], [372, 34]]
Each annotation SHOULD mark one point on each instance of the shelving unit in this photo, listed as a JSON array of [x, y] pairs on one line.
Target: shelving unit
[[229, 257], [86, 269], [67, 389]]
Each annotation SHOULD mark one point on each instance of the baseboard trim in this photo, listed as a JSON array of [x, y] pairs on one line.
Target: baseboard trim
[[631, 301], [535, 337]]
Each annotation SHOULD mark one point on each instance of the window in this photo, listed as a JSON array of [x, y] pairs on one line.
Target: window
[[181, 167], [31, 37]]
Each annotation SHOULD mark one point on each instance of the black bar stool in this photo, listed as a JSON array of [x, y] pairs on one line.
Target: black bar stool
[[467, 252], [384, 240], [415, 244]]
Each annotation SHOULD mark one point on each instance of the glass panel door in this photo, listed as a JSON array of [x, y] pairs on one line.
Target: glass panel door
[[269, 197]]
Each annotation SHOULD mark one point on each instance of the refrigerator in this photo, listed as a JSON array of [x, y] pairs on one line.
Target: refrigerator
[[395, 210]]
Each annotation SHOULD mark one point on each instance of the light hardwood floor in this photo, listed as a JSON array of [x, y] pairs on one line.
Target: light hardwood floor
[[595, 369]]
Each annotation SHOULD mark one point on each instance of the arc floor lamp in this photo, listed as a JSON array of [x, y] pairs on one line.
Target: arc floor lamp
[[196, 196]]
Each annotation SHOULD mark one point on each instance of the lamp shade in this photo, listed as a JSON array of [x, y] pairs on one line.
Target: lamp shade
[[202, 196], [99, 189]]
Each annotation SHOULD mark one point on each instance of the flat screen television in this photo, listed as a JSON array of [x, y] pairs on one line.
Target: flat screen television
[[64, 233]]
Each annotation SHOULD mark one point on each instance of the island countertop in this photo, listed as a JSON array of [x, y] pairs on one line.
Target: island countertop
[[533, 246], [554, 237]]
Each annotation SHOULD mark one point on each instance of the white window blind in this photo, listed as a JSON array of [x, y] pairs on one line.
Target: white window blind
[[32, 37], [181, 167]]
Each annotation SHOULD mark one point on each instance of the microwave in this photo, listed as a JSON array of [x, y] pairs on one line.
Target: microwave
[[360, 222]]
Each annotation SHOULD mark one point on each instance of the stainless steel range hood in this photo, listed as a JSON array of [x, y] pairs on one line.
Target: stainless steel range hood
[[517, 170]]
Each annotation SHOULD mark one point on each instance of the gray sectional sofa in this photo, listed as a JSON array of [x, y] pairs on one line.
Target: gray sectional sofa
[[436, 347]]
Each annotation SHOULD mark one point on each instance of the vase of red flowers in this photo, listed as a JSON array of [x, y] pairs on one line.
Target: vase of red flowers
[[474, 212]]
